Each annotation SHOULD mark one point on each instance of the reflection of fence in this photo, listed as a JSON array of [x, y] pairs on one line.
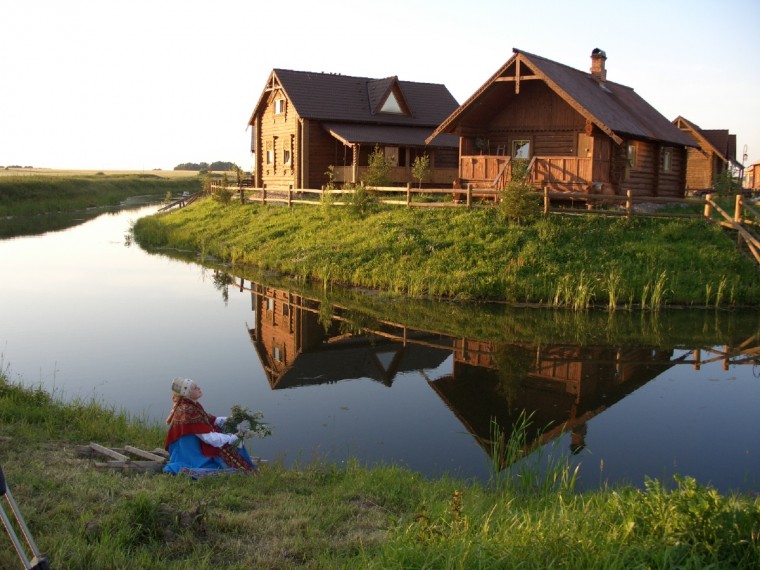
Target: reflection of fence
[[479, 352]]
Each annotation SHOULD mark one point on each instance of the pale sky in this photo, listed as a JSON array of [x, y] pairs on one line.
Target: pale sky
[[146, 84]]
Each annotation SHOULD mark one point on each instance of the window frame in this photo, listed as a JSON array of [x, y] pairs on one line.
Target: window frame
[[523, 143]]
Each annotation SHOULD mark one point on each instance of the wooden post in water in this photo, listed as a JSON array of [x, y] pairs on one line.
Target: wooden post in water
[[697, 359]]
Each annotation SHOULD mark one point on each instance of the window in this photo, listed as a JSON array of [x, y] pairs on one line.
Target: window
[[391, 105], [631, 155], [667, 159], [279, 106], [286, 156], [521, 149], [270, 156]]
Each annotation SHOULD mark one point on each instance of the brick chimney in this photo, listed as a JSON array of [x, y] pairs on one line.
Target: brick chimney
[[598, 72]]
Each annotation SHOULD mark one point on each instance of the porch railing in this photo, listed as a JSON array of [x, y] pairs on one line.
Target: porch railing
[[568, 173]]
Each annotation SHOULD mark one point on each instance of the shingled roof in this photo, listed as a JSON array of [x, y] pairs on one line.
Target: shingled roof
[[614, 108], [343, 98], [718, 141]]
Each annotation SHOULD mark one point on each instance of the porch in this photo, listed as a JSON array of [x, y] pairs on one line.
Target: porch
[[558, 173], [398, 175]]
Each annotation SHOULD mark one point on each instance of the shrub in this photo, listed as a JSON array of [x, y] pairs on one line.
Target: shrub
[[518, 202]]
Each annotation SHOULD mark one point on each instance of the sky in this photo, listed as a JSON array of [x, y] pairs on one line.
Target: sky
[[149, 84]]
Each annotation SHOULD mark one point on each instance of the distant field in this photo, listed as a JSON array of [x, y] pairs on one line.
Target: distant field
[[63, 173]]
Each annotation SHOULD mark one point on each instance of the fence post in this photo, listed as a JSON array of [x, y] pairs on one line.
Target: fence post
[[264, 195], [738, 208], [708, 207], [469, 194], [408, 194], [628, 204], [290, 196], [546, 200]]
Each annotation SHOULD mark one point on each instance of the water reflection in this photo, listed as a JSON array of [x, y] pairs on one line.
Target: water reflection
[[304, 340]]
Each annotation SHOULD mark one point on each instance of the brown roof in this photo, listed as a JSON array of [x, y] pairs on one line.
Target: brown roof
[[351, 133], [614, 108], [343, 98], [717, 141]]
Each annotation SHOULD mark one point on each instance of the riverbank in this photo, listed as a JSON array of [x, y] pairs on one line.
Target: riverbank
[[325, 516], [577, 261], [30, 194]]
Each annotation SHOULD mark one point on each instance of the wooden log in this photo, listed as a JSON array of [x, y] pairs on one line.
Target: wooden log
[[144, 454], [108, 452]]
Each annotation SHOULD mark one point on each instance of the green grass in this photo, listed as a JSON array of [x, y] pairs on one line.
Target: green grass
[[37, 194], [564, 261], [323, 516]]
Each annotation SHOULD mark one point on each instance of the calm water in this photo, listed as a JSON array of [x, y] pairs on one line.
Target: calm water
[[86, 313]]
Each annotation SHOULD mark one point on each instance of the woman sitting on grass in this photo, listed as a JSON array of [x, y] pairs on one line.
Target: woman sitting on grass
[[197, 447]]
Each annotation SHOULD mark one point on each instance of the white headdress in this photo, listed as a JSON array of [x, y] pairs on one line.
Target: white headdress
[[182, 386]]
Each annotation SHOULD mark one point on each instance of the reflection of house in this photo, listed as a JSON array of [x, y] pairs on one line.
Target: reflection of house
[[304, 122], [577, 131], [561, 386], [295, 349], [714, 155]]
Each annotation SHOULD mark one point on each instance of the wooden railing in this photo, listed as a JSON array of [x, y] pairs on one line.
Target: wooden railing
[[397, 174], [559, 172]]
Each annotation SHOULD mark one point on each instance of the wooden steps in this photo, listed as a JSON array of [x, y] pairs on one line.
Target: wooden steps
[[129, 458]]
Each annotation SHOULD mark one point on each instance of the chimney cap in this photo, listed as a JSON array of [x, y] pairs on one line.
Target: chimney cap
[[596, 52]]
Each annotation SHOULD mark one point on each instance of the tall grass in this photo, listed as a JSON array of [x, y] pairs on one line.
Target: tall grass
[[324, 516], [519, 466]]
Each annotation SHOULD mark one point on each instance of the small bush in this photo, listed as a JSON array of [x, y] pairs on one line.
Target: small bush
[[518, 202]]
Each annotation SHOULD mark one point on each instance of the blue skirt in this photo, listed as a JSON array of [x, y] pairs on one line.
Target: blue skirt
[[185, 458]]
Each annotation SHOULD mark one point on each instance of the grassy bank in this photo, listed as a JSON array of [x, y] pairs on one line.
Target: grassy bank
[[321, 516], [570, 261], [26, 195]]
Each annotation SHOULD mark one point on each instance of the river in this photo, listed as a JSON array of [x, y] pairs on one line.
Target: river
[[88, 314]]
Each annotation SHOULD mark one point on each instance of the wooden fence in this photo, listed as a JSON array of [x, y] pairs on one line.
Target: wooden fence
[[744, 219]]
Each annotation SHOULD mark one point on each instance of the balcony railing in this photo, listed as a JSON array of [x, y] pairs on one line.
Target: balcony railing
[[568, 173], [397, 175]]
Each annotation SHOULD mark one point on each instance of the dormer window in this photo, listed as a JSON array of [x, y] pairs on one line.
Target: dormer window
[[391, 105], [279, 106]]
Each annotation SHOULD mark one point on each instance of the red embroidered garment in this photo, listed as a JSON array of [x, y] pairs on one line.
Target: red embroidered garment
[[188, 417]]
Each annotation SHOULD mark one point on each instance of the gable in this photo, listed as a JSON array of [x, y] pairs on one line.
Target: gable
[[615, 109]]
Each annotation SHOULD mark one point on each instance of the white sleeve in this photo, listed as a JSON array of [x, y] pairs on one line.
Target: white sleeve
[[217, 439], [220, 421]]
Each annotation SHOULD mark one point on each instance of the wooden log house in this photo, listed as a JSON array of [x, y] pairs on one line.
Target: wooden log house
[[714, 154], [577, 132], [304, 123]]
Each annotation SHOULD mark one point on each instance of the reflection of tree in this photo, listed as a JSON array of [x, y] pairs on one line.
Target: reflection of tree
[[512, 364], [222, 280]]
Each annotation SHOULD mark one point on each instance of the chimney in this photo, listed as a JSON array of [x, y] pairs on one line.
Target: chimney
[[598, 72]]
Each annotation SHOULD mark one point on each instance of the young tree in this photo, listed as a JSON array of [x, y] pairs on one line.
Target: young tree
[[378, 172], [421, 168]]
